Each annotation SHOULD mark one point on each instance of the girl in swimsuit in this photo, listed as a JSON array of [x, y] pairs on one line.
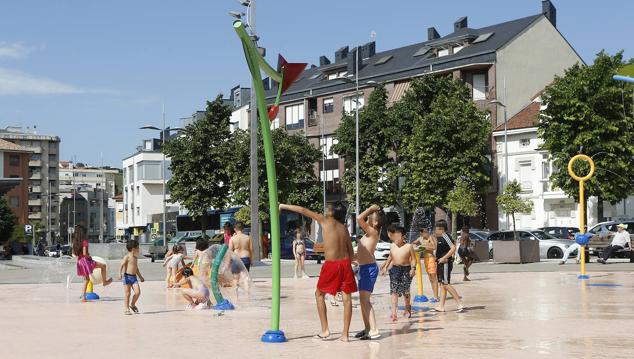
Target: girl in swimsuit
[[85, 264], [299, 251], [172, 262]]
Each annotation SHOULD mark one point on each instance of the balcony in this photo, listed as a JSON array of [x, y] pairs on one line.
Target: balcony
[[35, 163], [36, 176], [35, 202], [35, 215], [36, 189], [295, 126]]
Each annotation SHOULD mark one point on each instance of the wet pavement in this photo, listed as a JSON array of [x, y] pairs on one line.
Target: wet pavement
[[509, 315]]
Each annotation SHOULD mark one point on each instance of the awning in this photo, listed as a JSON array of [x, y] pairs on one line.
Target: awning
[[399, 91]]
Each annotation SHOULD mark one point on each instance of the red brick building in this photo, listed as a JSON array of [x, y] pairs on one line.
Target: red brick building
[[14, 178]]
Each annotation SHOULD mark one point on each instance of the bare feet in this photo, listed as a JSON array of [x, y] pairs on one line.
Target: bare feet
[[344, 339], [393, 317], [107, 282], [438, 309]]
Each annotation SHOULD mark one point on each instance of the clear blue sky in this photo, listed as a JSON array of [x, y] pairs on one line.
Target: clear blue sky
[[93, 72]]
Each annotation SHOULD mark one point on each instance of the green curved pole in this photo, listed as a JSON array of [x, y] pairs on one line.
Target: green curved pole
[[214, 274], [255, 61]]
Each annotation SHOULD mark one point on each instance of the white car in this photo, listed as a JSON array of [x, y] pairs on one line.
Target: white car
[[549, 246], [382, 250]]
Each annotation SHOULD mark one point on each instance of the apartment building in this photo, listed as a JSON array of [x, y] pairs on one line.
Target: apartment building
[[43, 203], [14, 179], [143, 189], [509, 62]]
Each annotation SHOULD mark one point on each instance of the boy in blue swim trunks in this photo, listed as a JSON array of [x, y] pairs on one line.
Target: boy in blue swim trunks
[[370, 222], [129, 272]]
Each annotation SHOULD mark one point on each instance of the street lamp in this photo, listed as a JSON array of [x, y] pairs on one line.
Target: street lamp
[[149, 127], [506, 148]]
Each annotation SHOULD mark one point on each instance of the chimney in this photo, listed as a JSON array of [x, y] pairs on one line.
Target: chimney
[[460, 24], [353, 60], [549, 10], [341, 54], [432, 34], [368, 50], [323, 60]]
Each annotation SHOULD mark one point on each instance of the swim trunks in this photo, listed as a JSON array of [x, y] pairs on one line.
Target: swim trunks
[[444, 272], [430, 263], [247, 262], [337, 276], [400, 280], [367, 276], [129, 279]]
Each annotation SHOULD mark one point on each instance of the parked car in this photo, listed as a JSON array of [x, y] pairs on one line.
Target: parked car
[[52, 251], [561, 232], [549, 246], [602, 234]]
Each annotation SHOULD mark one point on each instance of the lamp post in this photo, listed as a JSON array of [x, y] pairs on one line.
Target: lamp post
[[163, 131], [506, 149], [253, 130]]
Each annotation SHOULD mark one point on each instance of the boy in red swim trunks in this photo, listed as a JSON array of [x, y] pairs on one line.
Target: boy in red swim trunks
[[336, 273]]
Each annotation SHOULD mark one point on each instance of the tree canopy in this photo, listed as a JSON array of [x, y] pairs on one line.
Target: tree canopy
[[7, 221], [511, 203], [589, 112]]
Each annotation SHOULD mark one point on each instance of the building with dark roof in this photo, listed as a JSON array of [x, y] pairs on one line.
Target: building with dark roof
[[509, 62]]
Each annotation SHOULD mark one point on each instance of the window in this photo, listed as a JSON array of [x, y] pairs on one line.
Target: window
[[275, 124], [295, 117], [336, 75], [443, 52], [456, 49], [14, 160], [149, 170], [329, 105], [138, 211], [479, 87], [130, 174], [331, 177], [350, 102], [326, 144], [525, 169], [14, 201], [525, 142], [147, 145], [138, 190]]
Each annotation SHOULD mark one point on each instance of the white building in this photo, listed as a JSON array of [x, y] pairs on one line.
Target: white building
[[531, 168], [143, 188]]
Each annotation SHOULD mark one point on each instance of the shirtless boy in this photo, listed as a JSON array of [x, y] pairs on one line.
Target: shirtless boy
[[198, 295], [429, 243], [241, 245], [402, 267], [336, 273], [369, 221], [129, 272]]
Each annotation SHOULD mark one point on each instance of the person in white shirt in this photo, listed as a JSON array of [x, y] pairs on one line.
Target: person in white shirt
[[621, 238]]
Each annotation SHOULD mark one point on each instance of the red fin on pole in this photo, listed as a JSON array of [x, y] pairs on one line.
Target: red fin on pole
[[273, 112], [289, 71]]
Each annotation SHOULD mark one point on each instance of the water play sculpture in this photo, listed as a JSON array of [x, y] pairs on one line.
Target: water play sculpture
[[285, 75], [95, 278], [581, 238], [221, 302]]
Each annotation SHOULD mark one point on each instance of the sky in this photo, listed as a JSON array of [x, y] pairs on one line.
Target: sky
[[93, 72]]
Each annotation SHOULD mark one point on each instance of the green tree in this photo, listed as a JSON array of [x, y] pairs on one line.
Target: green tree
[[7, 221], [461, 200], [379, 150], [448, 141], [587, 111], [295, 161], [199, 160], [510, 202]]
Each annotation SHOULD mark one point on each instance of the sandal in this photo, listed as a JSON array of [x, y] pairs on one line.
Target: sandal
[[134, 309], [393, 317], [319, 337], [127, 312]]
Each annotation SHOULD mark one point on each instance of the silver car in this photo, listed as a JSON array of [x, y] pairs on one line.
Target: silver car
[[549, 246]]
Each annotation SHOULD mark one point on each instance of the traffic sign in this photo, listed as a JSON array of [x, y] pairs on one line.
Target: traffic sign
[[28, 229]]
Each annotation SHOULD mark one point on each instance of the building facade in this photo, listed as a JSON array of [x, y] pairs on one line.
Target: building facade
[[14, 179], [509, 62], [143, 189], [43, 203]]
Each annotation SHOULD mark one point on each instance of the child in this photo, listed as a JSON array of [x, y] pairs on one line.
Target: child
[[129, 271], [465, 253], [402, 268], [336, 273], [299, 252], [198, 294], [172, 262], [429, 243], [444, 252], [241, 245], [202, 244], [368, 270], [85, 264]]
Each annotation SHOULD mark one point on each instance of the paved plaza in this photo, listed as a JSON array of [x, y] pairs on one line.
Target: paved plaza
[[510, 314]]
